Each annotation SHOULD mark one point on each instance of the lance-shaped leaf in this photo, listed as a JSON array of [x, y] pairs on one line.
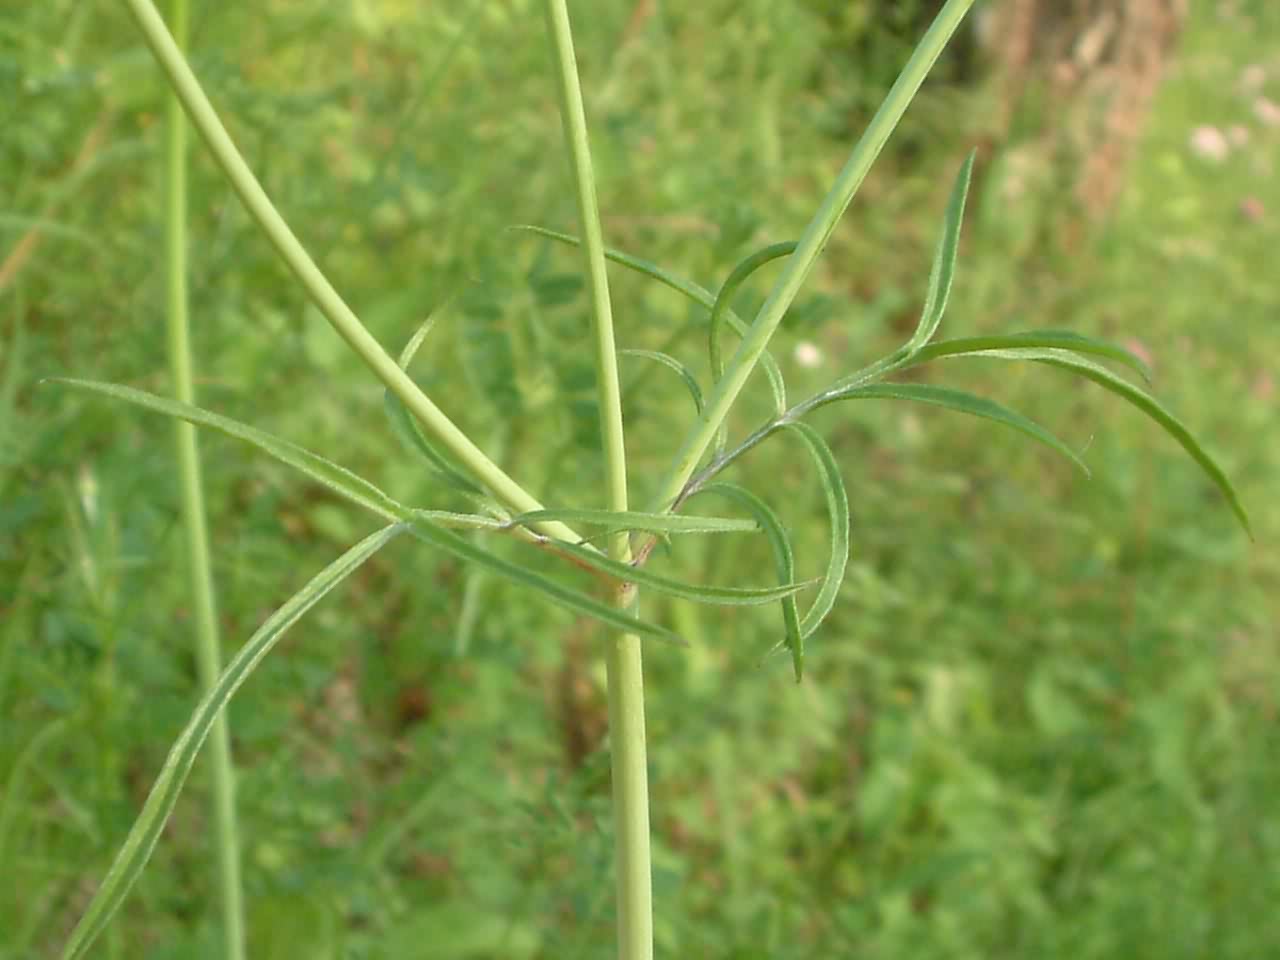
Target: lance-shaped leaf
[[688, 288], [1032, 339], [614, 521], [1148, 404], [958, 400], [682, 371], [784, 563], [838, 518], [146, 830]]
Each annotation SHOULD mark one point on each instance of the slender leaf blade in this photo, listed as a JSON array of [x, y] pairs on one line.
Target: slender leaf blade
[[337, 478], [1145, 402], [146, 830], [437, 536], [1032, 340], [636, 520], [410, 432], [695, 292], [943, 270], [783, 560], [838, 515], [681, 370], [960, 401], [701, 593], [737, 277]]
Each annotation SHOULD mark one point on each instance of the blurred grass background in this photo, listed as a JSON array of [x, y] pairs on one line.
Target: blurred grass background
[[1041, 720]]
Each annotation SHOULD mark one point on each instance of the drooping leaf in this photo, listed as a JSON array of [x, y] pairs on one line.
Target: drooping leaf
[[737, 277], [783, 560], [688, 288], [1033, 339], [338, 479], [1139, 398], [682, 371], [702, 593], [838, 519], [952, 399], [146, 830]]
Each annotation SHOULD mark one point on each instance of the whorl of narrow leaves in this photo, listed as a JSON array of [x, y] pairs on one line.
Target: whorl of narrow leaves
[[429, 525]]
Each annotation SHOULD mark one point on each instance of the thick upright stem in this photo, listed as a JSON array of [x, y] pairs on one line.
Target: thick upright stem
[[626, 679], [208, 658]]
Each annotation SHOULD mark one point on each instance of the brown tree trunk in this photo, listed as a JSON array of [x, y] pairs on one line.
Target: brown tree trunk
[[1095, 66]]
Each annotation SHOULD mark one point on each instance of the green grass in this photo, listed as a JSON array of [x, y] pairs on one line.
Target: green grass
[[1039, 720]]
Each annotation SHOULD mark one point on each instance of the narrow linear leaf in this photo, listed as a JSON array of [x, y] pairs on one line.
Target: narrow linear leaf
[[682, 371], [411, 435], [415, 342], [1033, 339], [337, 478], [558, 593], [961, 401], [688, 288], [146, 830], [941, 274], [944, 261], [783, 561], [737, 277], [702, 593], [838, 516], [1139, 398], [636, 520], [410, 432]]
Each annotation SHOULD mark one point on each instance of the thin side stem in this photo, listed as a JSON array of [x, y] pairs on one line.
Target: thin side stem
[[625, 669], [208, 658], [322, 294], [810, 247]]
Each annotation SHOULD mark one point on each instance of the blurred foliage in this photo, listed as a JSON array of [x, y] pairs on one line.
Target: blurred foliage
[[1041, 719]]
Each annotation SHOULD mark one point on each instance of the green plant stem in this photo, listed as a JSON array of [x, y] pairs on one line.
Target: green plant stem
[[322, 294], [625, 669], [809, 248], [208, 657]]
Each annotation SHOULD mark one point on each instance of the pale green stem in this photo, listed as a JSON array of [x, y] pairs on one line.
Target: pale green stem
[[208, 658], [809, 248], [625, 670], [314, 282]]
